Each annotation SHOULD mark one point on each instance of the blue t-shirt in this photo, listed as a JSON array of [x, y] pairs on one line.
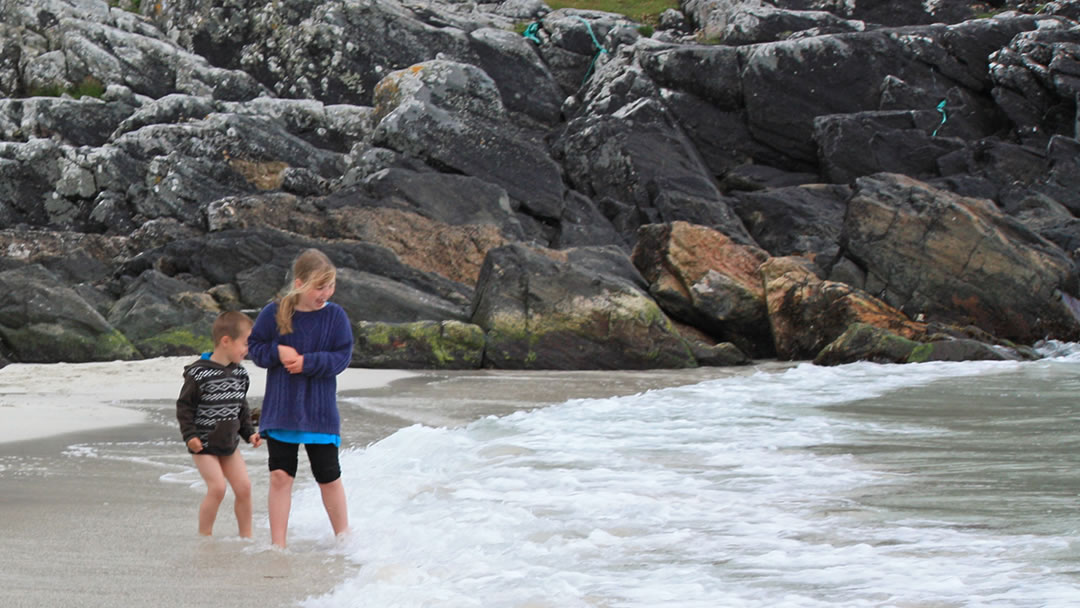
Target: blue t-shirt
[[302, 437]]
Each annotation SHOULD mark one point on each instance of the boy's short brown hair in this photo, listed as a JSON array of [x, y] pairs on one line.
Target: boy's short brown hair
[[230, 323]]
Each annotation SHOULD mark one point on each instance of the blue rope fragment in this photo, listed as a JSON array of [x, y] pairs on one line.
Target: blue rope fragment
[[944, 117]]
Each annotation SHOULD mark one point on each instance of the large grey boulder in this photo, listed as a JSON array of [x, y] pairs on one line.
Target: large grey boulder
[[571, 310], [451, 115], [163, 316], [44, 321], [959, 260]]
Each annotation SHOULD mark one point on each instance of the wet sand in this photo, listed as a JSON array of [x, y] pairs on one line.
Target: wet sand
[[106, 516]]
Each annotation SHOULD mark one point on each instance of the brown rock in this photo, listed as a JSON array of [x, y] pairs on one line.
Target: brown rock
[[703, 278], [452, 251], [807, 313]]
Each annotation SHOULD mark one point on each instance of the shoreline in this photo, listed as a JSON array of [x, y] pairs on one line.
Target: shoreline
[[39, 400]]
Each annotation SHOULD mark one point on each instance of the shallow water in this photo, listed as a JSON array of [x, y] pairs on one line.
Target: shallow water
[[862, 485], [943, 484]]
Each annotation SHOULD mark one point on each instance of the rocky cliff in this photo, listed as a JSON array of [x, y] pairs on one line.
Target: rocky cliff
[[803, 179]]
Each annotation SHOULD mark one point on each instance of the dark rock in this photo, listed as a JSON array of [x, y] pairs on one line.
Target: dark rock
[[451, 116], [73, 257], [638, 156], [43, 321], [371, 297], [524, 81], [802, 220], [541, 311], [959, 350], [83, 122], [447, 198], [335, 52], [786, 85], [1037, 78], [862, 143], [724, 354], [418, 345]]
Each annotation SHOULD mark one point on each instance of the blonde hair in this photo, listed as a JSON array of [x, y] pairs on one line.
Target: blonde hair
[[313, 269], [231, 323]]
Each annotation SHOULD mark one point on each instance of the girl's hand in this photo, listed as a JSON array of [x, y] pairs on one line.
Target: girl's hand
[[195, 444], [296, 365], [255, 440], [290, 359]]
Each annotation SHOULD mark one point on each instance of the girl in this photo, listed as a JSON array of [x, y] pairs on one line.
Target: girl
[[304, 341]]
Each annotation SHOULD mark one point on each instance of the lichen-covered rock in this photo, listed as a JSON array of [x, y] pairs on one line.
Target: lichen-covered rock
[[163, 316], [865, 342], [418, 345], [807, 313], [544, 310], [43, 321]]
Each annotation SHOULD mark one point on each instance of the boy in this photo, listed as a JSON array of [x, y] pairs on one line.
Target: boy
[[213, 414]]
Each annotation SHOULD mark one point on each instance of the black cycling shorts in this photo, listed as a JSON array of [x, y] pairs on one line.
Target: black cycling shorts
[[323, 457]]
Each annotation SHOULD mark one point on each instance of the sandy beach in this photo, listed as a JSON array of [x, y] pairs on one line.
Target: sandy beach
[[98, 498]]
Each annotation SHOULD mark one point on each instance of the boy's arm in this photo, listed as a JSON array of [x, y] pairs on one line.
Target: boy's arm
[[247, 427], [333, 361], [263, 342], [186, 404]]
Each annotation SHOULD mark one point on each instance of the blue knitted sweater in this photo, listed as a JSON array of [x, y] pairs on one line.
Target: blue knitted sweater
[[306, 401]]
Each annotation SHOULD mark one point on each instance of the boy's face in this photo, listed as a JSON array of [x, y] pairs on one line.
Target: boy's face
[[235, 349]]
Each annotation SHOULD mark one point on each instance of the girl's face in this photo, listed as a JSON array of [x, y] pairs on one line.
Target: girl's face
[[315, 296]]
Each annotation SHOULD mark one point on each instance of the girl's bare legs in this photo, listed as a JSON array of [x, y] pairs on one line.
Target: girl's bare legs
[[234, 469], [211, 471], [279, 503], [333, 498]]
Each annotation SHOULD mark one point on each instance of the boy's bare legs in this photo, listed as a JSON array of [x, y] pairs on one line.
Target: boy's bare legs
[[333, 498], [211, 471], [279, 503], [235, 470]]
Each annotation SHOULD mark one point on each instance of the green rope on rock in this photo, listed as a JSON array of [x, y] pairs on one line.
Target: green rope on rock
[[944, 117], [600, 49]]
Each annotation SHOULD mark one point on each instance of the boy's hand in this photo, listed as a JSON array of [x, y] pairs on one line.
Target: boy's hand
[[255, 440], [292, 360], [195, 444]]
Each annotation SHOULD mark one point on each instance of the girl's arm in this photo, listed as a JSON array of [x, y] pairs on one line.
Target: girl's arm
[[263, 342], [338, 355]]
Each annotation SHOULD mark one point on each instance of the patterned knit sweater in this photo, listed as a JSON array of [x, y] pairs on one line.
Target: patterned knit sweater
[[213, 405]]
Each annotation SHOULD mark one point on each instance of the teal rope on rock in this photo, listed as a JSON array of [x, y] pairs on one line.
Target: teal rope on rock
[[530, 32], [600, 48], [944, 117]]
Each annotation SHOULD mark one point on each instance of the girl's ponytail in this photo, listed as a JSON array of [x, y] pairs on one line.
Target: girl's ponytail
[[310, 268], [285, 309]]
